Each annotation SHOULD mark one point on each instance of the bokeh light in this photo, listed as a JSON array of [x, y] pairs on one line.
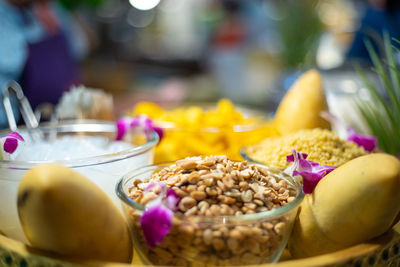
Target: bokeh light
[[144, 4]]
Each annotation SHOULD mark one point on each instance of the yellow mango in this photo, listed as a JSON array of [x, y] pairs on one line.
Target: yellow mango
[[64, 212], [301, 106], [354, 203]]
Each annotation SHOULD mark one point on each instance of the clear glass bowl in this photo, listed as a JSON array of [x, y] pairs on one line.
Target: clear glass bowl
[[105, 170], [248, 158], [211, 240]]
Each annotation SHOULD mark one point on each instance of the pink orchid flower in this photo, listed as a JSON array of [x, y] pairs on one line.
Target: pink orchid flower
[[156, 221], [127, 123], [310, 171], [10, 143], [366, 141]]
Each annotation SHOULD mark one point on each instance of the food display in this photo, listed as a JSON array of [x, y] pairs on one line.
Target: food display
[[321, 145], [229, 213], [92, 192], [64, 212], [205, 130]]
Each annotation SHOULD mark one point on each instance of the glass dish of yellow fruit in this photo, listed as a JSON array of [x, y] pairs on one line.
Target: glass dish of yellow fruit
[[205, 129]]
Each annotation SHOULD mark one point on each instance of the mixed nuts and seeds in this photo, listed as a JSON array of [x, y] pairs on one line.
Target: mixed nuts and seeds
[[206, 229]]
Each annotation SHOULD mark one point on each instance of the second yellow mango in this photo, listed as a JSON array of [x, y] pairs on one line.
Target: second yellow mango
[[301, 106]]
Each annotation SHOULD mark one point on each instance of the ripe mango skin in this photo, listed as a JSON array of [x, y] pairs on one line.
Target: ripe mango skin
[[356, 202], [301, 106], [64, 212]]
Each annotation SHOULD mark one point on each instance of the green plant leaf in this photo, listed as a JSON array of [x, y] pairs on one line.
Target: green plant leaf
[[394, 73], [382, 112], [376, 125], [382, 72]]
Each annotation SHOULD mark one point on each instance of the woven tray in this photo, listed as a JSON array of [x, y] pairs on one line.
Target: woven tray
[[382, 251]]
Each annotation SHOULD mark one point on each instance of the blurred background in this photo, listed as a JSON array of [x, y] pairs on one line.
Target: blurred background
[[172, 51]]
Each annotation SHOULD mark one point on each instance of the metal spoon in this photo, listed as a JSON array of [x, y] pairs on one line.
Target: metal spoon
[[25, 109]]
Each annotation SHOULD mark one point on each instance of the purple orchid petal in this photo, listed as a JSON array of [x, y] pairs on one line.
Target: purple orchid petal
[[149, 187], [159, 131], [11, 142], [134, 123], [123, 126], [156, 222], [337, 125], [295, 158], [16, 136], [10, 145], [323, 170], [152, 185], [305, 165], [172, 199], [330, 117], [291, 158], [310, 180], [147, 122], [348, 133], [367, 142], [310, 171]]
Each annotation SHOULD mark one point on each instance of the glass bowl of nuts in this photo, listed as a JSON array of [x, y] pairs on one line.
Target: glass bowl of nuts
[[209, 211]]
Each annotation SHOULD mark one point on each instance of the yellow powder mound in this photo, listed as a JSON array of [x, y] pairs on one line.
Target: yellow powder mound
[[321, 145]]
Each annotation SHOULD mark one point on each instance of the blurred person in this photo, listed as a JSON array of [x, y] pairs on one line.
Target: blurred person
[[37, 50], [226, 53], [379, 16]]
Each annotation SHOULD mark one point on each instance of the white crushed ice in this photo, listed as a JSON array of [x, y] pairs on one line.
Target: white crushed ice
[[69, 147]]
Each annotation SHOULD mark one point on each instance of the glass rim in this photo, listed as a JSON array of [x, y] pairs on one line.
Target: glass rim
[[89, 126], [245, 217], [248, 158], [214, 129]]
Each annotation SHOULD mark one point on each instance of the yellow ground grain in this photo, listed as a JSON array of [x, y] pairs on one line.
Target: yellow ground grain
[[322, 146]]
